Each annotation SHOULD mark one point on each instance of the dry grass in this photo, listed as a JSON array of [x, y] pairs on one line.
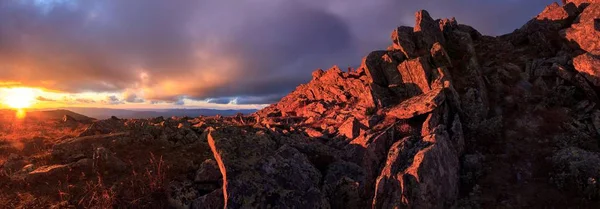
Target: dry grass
[[142, 185], [97, 194], [17, 130]]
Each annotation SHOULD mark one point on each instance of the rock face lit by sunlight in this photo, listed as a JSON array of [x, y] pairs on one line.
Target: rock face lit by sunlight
[[18, 97]]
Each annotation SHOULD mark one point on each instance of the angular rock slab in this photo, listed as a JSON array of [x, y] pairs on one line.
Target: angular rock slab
[[403, 40], [258, 173], [419, 173], [415, 75], [589, 65], [586, 29], [418, 105], [350, 128], [427, 31], [555, 12], [580, 3]]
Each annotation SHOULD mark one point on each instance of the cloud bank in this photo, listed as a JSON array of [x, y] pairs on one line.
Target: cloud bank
[[242, 52]]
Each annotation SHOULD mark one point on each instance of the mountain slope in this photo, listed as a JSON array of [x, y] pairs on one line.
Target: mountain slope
[[58, 115], [443, 118]]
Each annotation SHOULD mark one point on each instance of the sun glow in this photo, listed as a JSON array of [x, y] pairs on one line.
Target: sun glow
[[20, 114], [18, 98]]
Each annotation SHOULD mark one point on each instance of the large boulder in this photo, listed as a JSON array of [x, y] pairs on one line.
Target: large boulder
[[418, 105], [329, 91], [577, 170], [182, 195], [79, 147], [419, 173], [343, 184], [588, 64], [470, 84], [581, 3], [112, 125], [13, 163], [106, 160], [208, 172], [585, 32], [403, 39], [387, 85], [427, 31], [211, 200], [415, 74], [258, 173], [350, 128], [555, 12]]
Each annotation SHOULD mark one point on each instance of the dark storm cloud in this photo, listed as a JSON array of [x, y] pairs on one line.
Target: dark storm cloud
[[250, 50], [221, 100]]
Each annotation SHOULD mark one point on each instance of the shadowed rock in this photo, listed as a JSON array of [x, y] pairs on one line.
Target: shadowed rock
[[420, 173], [415, 75], [403, 40], [427, 31], [257, 173]]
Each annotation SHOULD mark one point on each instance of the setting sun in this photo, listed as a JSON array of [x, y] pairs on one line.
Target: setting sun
[[18, 97]]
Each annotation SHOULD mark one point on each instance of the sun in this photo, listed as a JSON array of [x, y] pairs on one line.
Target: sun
[[18, 98]]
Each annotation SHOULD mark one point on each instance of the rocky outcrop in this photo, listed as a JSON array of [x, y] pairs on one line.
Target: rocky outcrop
[[392, 129], [391, 134], [555, 12], [418, 105], [104, 127], [402, 95], [588, 64], [585, 32], [208, 172], [409, 67], [419, 173], [329, 91], [581, 4], [257, 173], [414, 126]]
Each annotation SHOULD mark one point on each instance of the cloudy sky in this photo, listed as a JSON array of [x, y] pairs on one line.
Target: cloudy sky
[[206, 53]]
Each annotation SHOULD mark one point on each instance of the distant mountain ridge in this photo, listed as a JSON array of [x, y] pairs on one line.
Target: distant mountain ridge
[[59, 114], [48, 115], [104, 113]]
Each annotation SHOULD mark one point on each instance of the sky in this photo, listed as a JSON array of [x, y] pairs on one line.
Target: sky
[[221, 54]]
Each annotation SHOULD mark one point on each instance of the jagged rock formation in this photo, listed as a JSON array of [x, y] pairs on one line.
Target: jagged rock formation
[[444, 117], [399, 122], [394, 123]]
